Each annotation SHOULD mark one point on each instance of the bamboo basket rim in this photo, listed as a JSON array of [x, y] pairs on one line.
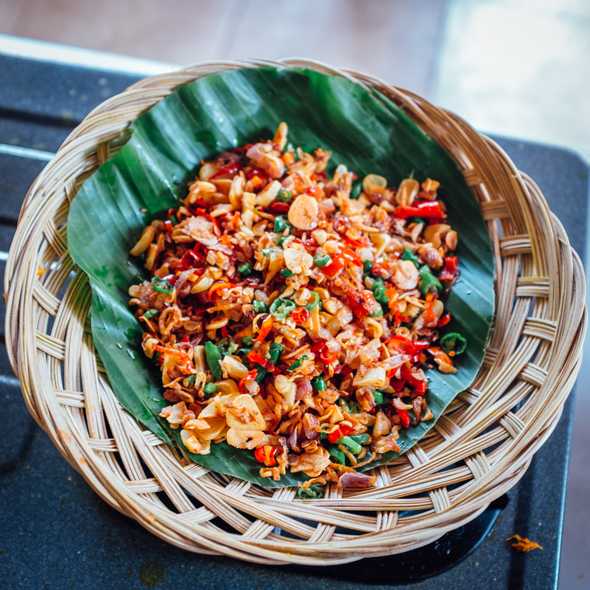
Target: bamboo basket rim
[[479, 449]]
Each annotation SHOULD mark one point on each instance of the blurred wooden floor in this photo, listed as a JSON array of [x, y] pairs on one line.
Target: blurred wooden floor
[[392, 39]]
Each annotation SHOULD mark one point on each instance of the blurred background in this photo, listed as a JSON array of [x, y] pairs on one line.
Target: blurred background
[[511, 67]]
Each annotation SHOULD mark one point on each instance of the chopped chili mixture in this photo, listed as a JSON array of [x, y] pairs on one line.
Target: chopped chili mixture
[[293, 308]]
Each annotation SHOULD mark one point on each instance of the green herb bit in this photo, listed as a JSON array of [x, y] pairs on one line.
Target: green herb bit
[[315, 491], [337, 455], [150, 313], [210, 388], [281, 308], [322, 260], [285, 272], [247, 341], [281, 224], [316, 301], [213, 358], [367, 266], [356, 190], [259, 307], [409, 255], [281, 240], [190, 380], [416, 220], [284, 196], [297, 363], [274, 352], [428, 282], [162, 286], [318, 383], [454, 342], [351, 444]]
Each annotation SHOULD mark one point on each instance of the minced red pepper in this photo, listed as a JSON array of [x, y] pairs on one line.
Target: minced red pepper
[[431, 210]]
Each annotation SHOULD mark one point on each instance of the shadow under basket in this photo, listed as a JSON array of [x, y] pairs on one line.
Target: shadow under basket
[[477, 451]]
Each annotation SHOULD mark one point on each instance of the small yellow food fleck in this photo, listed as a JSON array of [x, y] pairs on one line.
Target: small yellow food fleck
[[523, 544]]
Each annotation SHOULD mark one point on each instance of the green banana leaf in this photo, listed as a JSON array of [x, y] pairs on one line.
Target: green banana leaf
[[362, 128]]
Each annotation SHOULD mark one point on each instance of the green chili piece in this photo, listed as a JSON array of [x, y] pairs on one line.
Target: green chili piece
[[351, 444], [337, 455], [454, 342], [245, 269], [150, 313], [280, 224], [378, 397], [213, 358], [318, 383], [259, 306], [261, 373], [284, 196], [379, 291], [361, 439], [281, 308], [247, 341], [428, 282], [355, 192], [316, 301], [274, 352], [281, 240], [297, 363], [409, 255], [322, 260], [367, 266], [210, 388], [285, 272]]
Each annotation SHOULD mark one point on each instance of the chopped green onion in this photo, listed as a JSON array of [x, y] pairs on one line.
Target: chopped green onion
[[361, 439], [322, 260], [454, 342], [162, 286], [428, 282], [367, 266], [316, 301], [274, 352], [355, 192], [213, 358], [247, 341], [285, 272], [284, 196], [337, 455], [280, 224], [150, 313], [281, 240], [318, 383], [351, 406], [416, 220], [245, 269], [378, 397], [210, 388], [259, 306], [351, 444], [315, 491], [409, 255], [281, 308], [297, 363]]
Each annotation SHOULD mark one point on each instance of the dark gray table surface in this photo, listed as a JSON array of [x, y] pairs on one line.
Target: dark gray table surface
[[56, 533]]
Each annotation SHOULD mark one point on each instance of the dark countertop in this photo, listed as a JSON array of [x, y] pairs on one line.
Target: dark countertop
[[56, 533]]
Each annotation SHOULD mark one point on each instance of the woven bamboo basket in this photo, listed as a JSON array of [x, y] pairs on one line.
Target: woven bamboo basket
[[478, 450]]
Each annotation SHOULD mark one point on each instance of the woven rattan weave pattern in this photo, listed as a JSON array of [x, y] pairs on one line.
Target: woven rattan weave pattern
[[479, 449]]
